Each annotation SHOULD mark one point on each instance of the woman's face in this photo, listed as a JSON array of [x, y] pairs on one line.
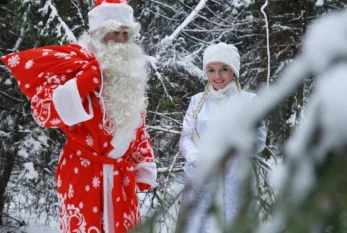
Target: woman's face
[[120, 36], [219, 74]]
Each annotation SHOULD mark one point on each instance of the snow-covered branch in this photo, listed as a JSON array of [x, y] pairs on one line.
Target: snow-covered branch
[[168, 130], [22, 30], [189, 19], [54, 15], [267, 44]]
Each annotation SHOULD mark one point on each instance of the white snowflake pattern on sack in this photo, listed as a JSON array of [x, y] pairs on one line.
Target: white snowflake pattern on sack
[[14, 61], [86, 53], [46, 52], [29, 64], [66, 56]]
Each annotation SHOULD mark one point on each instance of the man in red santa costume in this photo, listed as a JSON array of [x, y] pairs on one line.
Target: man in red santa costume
[[94, 91]]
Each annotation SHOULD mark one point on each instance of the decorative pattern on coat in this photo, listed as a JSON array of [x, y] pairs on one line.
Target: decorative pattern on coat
[[72, 218]]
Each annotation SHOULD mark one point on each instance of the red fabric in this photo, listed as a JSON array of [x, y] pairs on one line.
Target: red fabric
[[51, 65], [80, 170], [99, 2], [143, 186]]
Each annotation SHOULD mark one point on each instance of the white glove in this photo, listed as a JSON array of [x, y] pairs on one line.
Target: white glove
[[190, 166], [192, 155], [190, 170]]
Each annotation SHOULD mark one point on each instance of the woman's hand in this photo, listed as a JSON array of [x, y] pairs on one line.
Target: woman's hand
[[190, 169]]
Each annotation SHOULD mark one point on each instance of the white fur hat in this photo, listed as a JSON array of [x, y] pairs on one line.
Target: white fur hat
[[225, 53], [117, 10]]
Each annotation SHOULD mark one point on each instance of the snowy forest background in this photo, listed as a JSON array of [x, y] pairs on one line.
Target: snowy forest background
[[310, 195]]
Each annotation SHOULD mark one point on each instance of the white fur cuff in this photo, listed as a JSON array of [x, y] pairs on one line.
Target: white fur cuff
[[146, 173], [68, 103]]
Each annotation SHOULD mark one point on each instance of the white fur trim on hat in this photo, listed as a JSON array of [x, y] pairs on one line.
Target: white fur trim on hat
[[225, 53], [121, 13]]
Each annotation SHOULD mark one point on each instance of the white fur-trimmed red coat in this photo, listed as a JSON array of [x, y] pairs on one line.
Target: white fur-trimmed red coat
[[97, 172]]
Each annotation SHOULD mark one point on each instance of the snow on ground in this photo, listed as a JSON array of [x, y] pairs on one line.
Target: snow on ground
[[39, 229], [167, 221], [35, 225]]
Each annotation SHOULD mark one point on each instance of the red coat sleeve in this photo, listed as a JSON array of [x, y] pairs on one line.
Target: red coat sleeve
[[142, 159]]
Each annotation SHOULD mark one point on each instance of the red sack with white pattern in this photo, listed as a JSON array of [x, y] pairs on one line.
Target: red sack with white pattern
[[37, 67]]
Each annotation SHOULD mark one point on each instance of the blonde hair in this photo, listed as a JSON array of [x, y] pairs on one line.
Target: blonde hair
[[202, 101], [238, 84]]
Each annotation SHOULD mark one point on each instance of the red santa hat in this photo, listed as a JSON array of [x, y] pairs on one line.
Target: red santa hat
[[116, 10]]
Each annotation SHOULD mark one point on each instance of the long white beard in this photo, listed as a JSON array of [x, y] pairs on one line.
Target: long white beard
[[124, 81]]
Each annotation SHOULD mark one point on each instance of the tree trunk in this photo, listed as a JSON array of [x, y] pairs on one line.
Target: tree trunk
[[6, 167]]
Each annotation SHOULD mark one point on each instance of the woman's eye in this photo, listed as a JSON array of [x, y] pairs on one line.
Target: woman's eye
[[210, 70], [125, 33], [116, 33], [225, 69]]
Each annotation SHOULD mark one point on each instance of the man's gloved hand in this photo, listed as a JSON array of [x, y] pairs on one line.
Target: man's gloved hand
[[88, 79]]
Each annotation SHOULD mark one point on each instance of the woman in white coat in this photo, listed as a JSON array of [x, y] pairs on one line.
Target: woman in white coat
[[221, 65]]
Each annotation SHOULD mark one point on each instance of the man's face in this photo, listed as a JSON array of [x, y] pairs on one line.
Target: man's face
[[120, 36]]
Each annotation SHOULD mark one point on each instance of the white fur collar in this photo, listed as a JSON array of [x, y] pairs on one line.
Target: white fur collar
[[227, 91]]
